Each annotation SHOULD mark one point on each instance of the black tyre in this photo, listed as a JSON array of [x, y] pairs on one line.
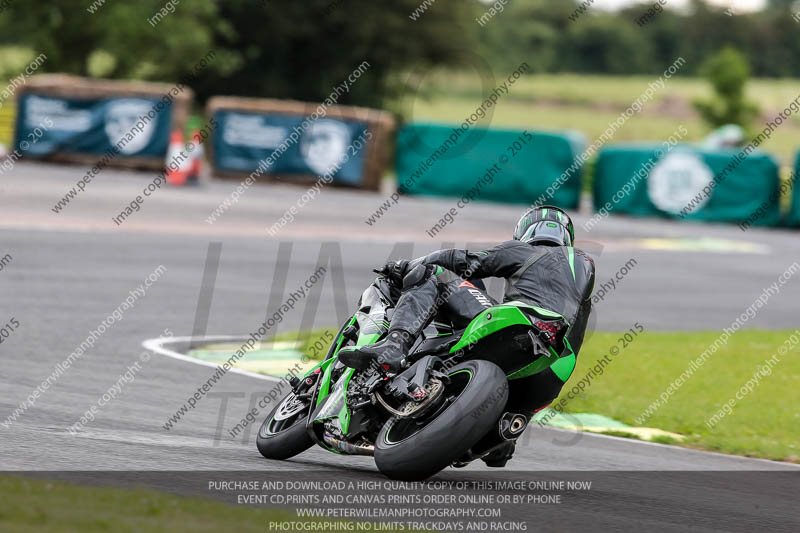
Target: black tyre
[[476, 397], [283, 433]]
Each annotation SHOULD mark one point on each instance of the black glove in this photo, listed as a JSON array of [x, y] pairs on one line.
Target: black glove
[[394, 271]]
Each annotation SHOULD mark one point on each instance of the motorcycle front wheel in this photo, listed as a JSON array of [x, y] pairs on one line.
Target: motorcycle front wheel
[[283, 433]]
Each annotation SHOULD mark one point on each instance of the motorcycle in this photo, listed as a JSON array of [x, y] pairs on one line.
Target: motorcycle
[[431, 415]]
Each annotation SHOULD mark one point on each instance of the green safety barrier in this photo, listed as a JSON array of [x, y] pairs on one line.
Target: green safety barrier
[[688, 183], [512, 166], [793, 217]]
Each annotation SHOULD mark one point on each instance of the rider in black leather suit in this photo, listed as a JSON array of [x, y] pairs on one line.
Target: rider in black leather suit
[[541, 268]]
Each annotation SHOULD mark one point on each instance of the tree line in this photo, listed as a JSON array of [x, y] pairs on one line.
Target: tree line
[[299, 50]]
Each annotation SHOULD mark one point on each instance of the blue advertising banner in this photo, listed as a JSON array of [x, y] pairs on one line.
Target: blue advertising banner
[[127, 126], [279, 143]]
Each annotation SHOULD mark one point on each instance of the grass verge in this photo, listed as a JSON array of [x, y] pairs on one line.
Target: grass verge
[[762, 423], [28, 505], [587, 103]]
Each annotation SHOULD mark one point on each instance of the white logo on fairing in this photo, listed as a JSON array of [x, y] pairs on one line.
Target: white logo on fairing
[[324, 145], [676, 181], [121, 117]]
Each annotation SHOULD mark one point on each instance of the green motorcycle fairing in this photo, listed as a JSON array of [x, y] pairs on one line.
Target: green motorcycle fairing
[[371, 319], [508, 314], [372, 325]]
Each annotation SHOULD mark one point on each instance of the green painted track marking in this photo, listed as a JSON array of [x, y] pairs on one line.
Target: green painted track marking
[[595, 423], [705, 244], [254, 355], [273, 359]]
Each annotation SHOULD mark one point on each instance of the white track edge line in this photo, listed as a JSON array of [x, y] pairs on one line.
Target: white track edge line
[[157, 345]]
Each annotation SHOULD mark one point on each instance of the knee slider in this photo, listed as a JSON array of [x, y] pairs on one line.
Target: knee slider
[[417, 275]]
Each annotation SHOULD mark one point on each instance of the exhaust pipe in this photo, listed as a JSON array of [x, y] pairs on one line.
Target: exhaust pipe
[[347, 447], [509, 428], [512, 425]]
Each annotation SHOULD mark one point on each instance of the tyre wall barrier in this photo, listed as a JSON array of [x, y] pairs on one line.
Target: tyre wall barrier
[[287, 140], [68, 118]]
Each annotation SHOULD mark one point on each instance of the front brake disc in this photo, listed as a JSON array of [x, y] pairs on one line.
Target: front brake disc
[[289, 407]]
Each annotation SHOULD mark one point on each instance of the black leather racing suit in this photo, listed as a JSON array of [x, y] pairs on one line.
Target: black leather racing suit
[[557, 278]]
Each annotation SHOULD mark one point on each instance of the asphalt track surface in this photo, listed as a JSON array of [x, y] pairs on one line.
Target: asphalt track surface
[[72, 269]]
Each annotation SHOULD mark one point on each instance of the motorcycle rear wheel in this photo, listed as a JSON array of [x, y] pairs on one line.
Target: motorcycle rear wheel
[[409, 450]]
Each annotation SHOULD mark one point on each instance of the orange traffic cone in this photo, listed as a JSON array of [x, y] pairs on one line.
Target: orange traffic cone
[[198, 157], [178, 160]]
